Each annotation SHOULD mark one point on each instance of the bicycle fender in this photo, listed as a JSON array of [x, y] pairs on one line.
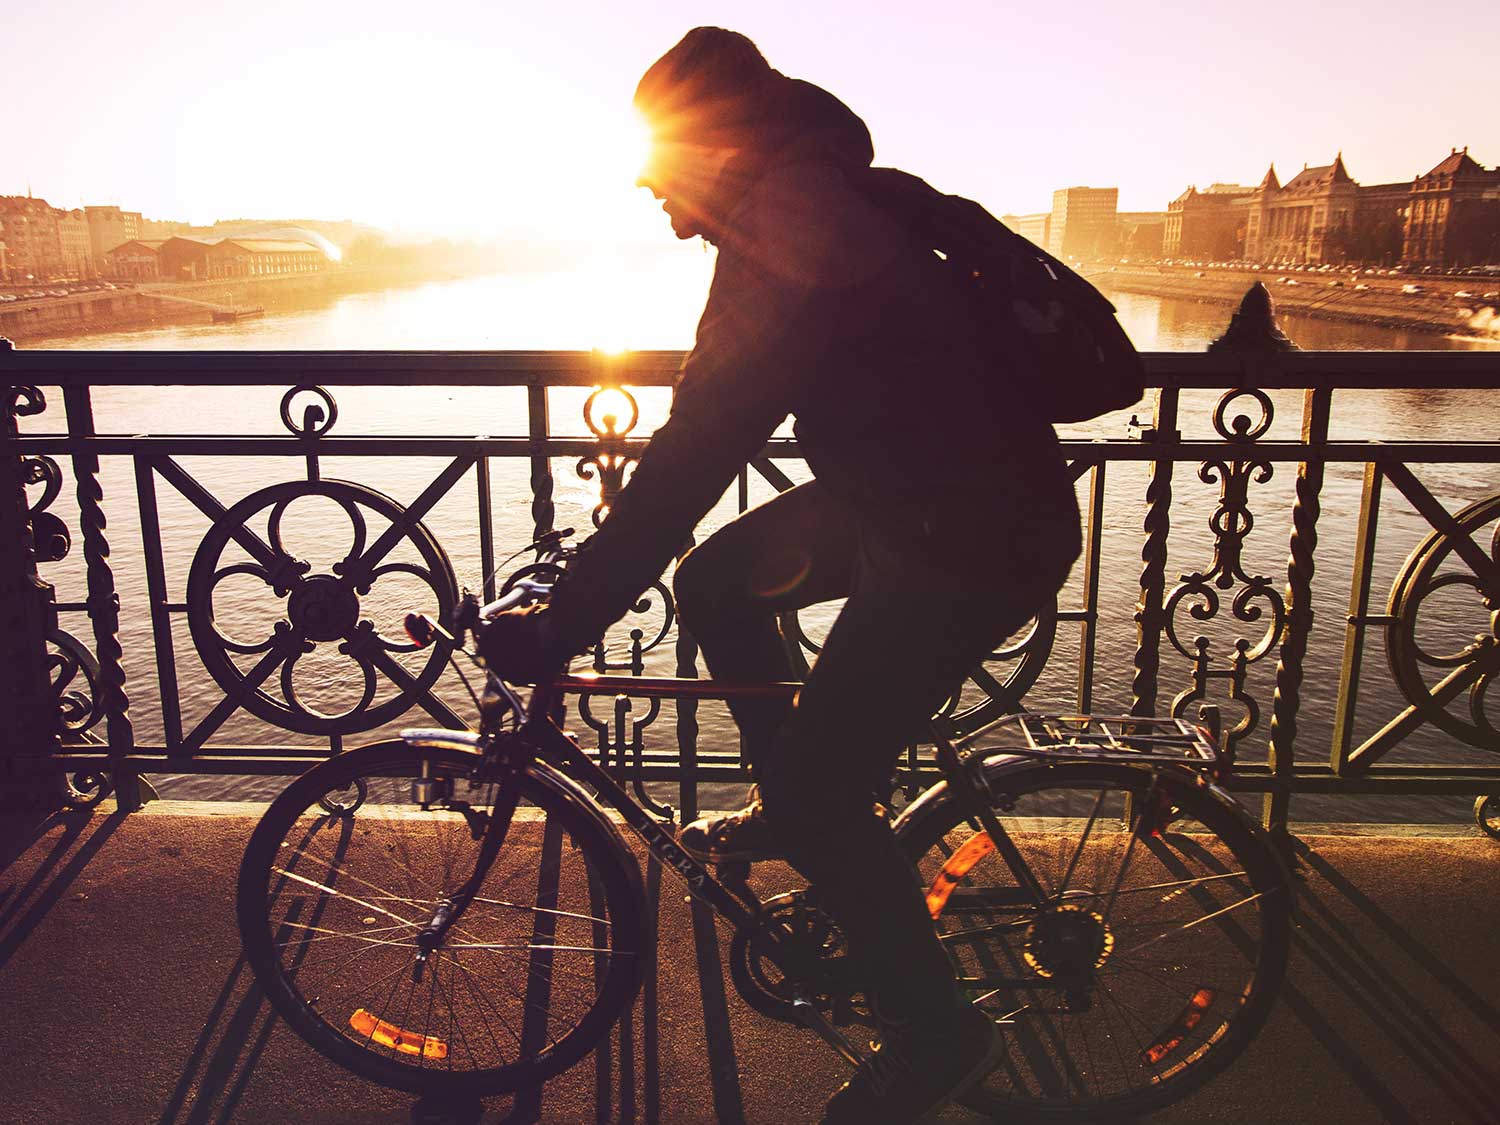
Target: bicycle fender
[[933, 799]]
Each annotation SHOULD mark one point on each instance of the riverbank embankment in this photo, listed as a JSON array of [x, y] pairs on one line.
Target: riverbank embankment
[[154, 304], [1468, 306]]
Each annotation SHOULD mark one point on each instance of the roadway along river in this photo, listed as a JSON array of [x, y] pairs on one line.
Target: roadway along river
[[543, 312]]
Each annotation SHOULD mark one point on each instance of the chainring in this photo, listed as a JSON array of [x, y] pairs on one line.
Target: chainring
[[768, 990]]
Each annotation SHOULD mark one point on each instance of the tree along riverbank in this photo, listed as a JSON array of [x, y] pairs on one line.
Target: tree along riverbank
[[1466, 306], [155, 304]]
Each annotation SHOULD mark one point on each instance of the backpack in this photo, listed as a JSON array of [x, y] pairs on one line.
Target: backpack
[[1052, 333]]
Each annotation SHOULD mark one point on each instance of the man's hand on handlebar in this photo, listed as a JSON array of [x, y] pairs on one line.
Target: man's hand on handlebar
[[519, 647]]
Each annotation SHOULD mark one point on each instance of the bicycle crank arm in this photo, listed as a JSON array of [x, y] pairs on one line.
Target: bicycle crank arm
[[813, 1019]]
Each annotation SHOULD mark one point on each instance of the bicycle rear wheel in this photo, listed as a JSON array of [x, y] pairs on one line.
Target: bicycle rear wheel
[[1158, 953], [346, 868]]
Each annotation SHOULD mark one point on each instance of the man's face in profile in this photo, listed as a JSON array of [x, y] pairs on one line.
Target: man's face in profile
[[683, 176]]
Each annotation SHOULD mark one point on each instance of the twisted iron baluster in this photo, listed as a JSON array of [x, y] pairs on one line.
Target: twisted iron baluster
[[103, 601], [542, 509], [1149, 616], [1299, 573]]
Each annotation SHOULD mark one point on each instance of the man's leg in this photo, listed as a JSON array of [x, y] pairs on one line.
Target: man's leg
[[792, 551], [905, 639]]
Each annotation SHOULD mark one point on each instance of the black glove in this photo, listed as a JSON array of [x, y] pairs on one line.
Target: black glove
[[518, 646]]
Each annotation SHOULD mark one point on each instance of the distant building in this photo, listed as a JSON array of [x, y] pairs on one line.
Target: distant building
[[1449, 217], [28, 227], [257, 257], [75, 245], [1083, 222], [1206, 224], [136, 260], [1453, 216], [1035, 228], [1139, 234], [184, 259], [1310, 219], [110, 227]]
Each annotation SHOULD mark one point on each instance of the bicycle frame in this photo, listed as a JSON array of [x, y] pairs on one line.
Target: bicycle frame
[[540, 740]]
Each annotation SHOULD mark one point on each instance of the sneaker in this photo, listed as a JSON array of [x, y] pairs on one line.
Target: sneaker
[[737, 837], [913, 1075]]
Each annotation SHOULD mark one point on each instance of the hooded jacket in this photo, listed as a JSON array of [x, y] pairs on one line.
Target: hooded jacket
[[824, 308]]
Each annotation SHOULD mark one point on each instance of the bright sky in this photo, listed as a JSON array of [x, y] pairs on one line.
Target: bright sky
[[484, 117]]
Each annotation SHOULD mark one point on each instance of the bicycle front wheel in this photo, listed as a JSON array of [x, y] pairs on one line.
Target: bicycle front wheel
[[349, 865], [1153, 959]]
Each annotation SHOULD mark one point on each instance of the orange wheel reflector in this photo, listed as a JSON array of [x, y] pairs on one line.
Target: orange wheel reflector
[[959, 864], [1186, 1020], [398, 1039]]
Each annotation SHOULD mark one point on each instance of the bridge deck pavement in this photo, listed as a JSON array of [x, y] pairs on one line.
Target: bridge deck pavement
[[124, 999]]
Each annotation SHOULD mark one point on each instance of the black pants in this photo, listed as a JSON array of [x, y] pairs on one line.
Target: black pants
[[904, 640]]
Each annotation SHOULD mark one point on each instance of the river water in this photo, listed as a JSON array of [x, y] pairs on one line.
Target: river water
[[546, 311]]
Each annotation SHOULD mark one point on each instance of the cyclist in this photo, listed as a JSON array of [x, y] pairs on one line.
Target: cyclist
[[940, 508]]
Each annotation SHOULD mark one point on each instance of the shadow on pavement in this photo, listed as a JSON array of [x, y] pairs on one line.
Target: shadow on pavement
[[22, 908]]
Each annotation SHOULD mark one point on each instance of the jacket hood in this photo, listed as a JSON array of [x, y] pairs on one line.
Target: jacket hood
[[798, 122]]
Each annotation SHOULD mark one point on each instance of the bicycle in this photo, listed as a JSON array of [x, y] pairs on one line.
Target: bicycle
[[457, 914]]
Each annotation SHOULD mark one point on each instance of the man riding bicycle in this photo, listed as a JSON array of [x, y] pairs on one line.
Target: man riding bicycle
[[941, 509]]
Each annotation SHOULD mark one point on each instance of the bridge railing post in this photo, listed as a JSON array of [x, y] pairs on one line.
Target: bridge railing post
[[29, 774]]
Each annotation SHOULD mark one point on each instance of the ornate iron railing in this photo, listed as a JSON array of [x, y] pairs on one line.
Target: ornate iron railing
[[1237, 627]]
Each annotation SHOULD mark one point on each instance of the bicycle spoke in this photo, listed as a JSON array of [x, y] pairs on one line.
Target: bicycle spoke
[[1190, 925], [1083, 839], [326, 889]]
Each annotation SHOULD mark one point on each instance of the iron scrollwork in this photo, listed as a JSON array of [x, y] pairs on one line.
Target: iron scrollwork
[[317, 417], [1201, 591], [613, 458], [317, 609], [50, 537], [622, 736], [74, 674], [23, 402]]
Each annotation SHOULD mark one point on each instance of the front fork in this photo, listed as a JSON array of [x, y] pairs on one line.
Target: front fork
[[425, 789]]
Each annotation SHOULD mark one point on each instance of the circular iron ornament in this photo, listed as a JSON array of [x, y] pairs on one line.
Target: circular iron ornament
[[316, 420], [1475, 660], [992, 689], [322, 609], [1243, 427], [74, 674], [611, 423]]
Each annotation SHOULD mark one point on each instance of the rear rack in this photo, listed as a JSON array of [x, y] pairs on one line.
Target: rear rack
[[1122, 738]]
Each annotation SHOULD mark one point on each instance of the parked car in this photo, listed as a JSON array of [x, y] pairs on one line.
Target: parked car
[[1463, 295], [1411, 290], [1361, 285]]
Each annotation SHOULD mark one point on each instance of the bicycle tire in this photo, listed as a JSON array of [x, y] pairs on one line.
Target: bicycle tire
[[1111, 1004], [331, 900]]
